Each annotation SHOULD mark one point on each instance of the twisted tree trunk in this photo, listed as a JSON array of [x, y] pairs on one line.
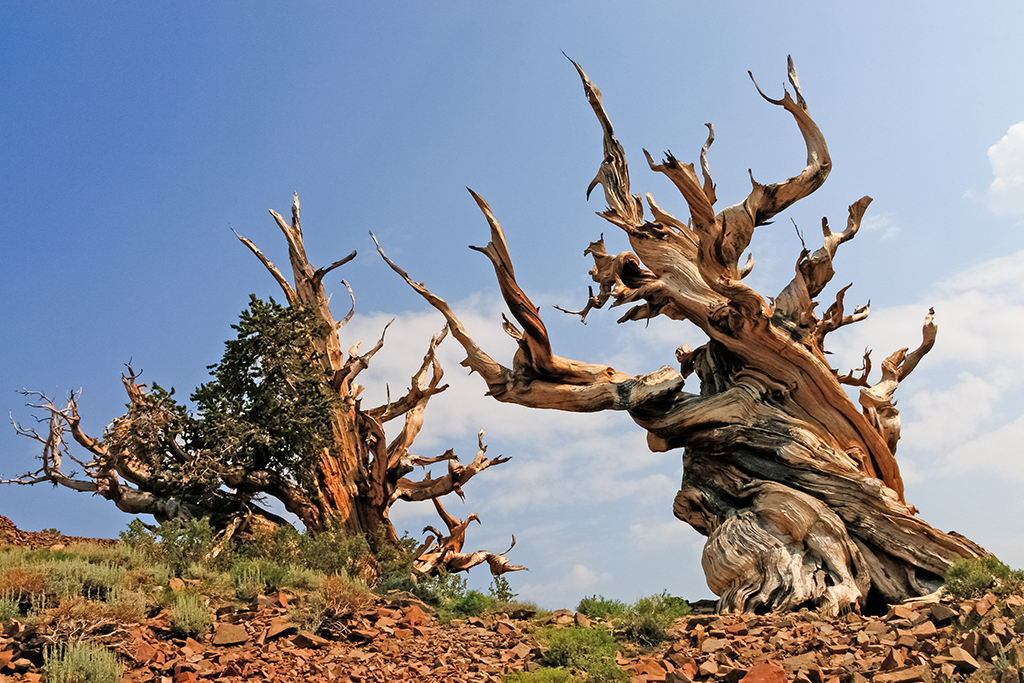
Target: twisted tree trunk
[[797, 490], [357, 475]]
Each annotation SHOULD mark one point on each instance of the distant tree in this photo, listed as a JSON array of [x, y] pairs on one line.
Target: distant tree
[[797, 490], [281, 417]]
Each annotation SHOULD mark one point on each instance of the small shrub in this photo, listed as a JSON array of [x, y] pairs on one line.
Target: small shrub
[[472, 604], [391, 559], [973, 577], [500, 590], [338, 597], [647, 621], [190, 617], [255, 577], [81, 663], [126, 606], [79, 577], [304, 579], [540, 676], [590, 650], [332, 551], [444, 586], [278, 544], [177, 543], [10, 606], [397, 582], [599, 607], [22, 585], [344, 595]]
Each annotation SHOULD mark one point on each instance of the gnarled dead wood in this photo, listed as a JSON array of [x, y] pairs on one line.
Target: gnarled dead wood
[[797, 490], [358, 475]]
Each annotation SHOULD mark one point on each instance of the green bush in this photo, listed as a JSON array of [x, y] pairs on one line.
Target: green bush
[[81, 663], [10, 606], [177, 543], [280, 544], [646, 621], [255, 577], [590, 650], [332, 551], [190, 617], [71, 578], [444, 587], [975, 576], [540, 676], [599, 607], [472, 604], [500, 590]]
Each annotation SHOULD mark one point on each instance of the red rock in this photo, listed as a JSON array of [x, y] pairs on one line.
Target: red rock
[[5, 657], [941, 614], [305, 639], [911, 674], [893, 660], [677, 677], [960, 659], [924, 629], [766, 672], [229, 634], [414, 616], [708, 668], [800, 662], [186, 677], [901, 612]]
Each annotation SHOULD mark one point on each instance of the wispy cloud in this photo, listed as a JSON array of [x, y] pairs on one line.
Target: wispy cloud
[[1006, 193], [973, 420], [884, 225]]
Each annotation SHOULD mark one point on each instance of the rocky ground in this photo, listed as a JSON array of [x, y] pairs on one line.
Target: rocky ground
[[399, 640]]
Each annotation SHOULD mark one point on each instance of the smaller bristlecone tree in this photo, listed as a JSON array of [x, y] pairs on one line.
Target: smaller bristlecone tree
[[796, 488], [281, 418]]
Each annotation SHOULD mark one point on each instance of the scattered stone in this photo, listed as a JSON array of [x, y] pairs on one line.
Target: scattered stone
[[229, 634], [766, 672], [397, 639]]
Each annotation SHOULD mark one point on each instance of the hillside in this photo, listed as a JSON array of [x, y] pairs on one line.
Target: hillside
[[398, 638]]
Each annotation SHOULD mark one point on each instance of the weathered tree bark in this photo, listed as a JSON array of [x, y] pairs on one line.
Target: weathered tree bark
[[797, 490], [358, 474]]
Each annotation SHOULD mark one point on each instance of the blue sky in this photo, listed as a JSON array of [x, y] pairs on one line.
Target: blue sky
[[137, 135]]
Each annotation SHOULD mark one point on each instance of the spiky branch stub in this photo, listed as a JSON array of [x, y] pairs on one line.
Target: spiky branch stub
[[299, 434], [797, 490]]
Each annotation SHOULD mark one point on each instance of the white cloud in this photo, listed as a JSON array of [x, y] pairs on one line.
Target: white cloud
[[973, 420], [884, 224], [1000, 451], [648, 536], [583, 578], [1006, 193]]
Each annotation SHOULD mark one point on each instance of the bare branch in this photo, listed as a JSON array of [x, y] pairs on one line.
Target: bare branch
[[850, 379], [765, 201], [624, 209], [319, 273], [877, 401]]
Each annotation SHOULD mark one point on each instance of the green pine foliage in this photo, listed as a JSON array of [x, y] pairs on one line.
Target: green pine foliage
[[269, 406]]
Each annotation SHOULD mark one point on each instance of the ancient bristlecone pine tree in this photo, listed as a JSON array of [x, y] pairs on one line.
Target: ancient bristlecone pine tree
[[796, 489], [150, 461]]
